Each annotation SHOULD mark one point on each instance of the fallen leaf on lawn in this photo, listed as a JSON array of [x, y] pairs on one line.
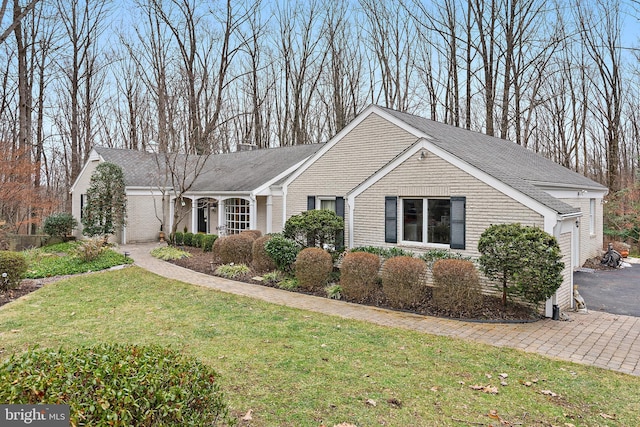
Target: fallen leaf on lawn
[[527, 383], [247, 416], [323, 345], [485, 388], [503, 383], [493, 414], [435, 388], [461, 382], [371, 402], [345, 425], [607, 416], [394, 402], [569, 425], [548, 393], [488, 376], [401, 348], [504, 376]]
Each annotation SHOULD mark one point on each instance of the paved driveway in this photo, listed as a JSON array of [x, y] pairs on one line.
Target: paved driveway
[[613, 291]]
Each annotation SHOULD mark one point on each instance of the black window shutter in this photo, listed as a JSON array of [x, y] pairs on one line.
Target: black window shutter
[[458, 219], [340, 207], [340, 213], [391, 219], [311, 203]]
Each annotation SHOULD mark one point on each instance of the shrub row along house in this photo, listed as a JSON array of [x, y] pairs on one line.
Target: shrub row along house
[[397, 179]]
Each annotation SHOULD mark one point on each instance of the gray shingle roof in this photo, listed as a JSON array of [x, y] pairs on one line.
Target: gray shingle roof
[[514, 165], [241, 171]]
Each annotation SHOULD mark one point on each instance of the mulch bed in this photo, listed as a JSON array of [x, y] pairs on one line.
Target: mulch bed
[[26, 287], [490, 310]]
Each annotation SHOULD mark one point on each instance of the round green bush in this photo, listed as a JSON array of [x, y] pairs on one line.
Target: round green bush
[[14, 265], [456, 286], [196, 242], [359, 275], [60, 225], [236, 249], [282, 251], [117, 385], [188, 238], [262, 261], [207, 242], [312, 268], [178, 238], [402, 281]]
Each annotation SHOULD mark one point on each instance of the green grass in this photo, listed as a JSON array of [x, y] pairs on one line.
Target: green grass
[[56, 260], [298, 368]]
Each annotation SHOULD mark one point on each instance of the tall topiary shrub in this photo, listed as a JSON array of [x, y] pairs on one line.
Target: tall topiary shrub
[[456, 286], [521, 260], [403, 281], [359, 275], [312, 268], [315, 228], [60, 225], [13, 266], [106, 208]]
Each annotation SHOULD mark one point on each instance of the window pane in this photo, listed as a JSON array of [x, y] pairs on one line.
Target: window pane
[[439, 221], [412, 220], [329, 205]]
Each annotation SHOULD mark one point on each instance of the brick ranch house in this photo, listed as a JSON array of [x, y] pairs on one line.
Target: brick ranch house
[[397, 179]]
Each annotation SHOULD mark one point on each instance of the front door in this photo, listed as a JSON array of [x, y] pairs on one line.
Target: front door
[[203, 208]]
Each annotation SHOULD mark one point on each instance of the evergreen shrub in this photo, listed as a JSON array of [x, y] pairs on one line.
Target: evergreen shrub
[[14, 265], [135, 385]]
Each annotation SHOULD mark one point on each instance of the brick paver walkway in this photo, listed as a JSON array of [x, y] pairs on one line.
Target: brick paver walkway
[[596, 338]]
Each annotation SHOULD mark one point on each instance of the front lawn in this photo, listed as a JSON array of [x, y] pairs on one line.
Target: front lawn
[[288, 367]]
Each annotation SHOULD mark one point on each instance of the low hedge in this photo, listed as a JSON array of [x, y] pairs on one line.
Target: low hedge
[[117, 385]]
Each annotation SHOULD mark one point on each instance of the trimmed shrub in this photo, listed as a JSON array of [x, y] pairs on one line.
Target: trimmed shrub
[[188, 239], [359, 275], [312, 268], [402, 281], [14, 265], [196, 242], [255, 233], [456, 286], [178, 238], [262, 261], [232, 271], [60, 225], [207, 242], [135, 385], [318, 227], [236, 249], [282, 251]]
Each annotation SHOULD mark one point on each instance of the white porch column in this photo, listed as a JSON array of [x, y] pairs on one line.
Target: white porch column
[[172, 208], [194, 215], [222, 224], [269, 214], [253, 213]]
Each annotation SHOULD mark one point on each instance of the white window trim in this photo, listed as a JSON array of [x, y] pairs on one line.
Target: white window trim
[[319, 200], [425, 219]]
